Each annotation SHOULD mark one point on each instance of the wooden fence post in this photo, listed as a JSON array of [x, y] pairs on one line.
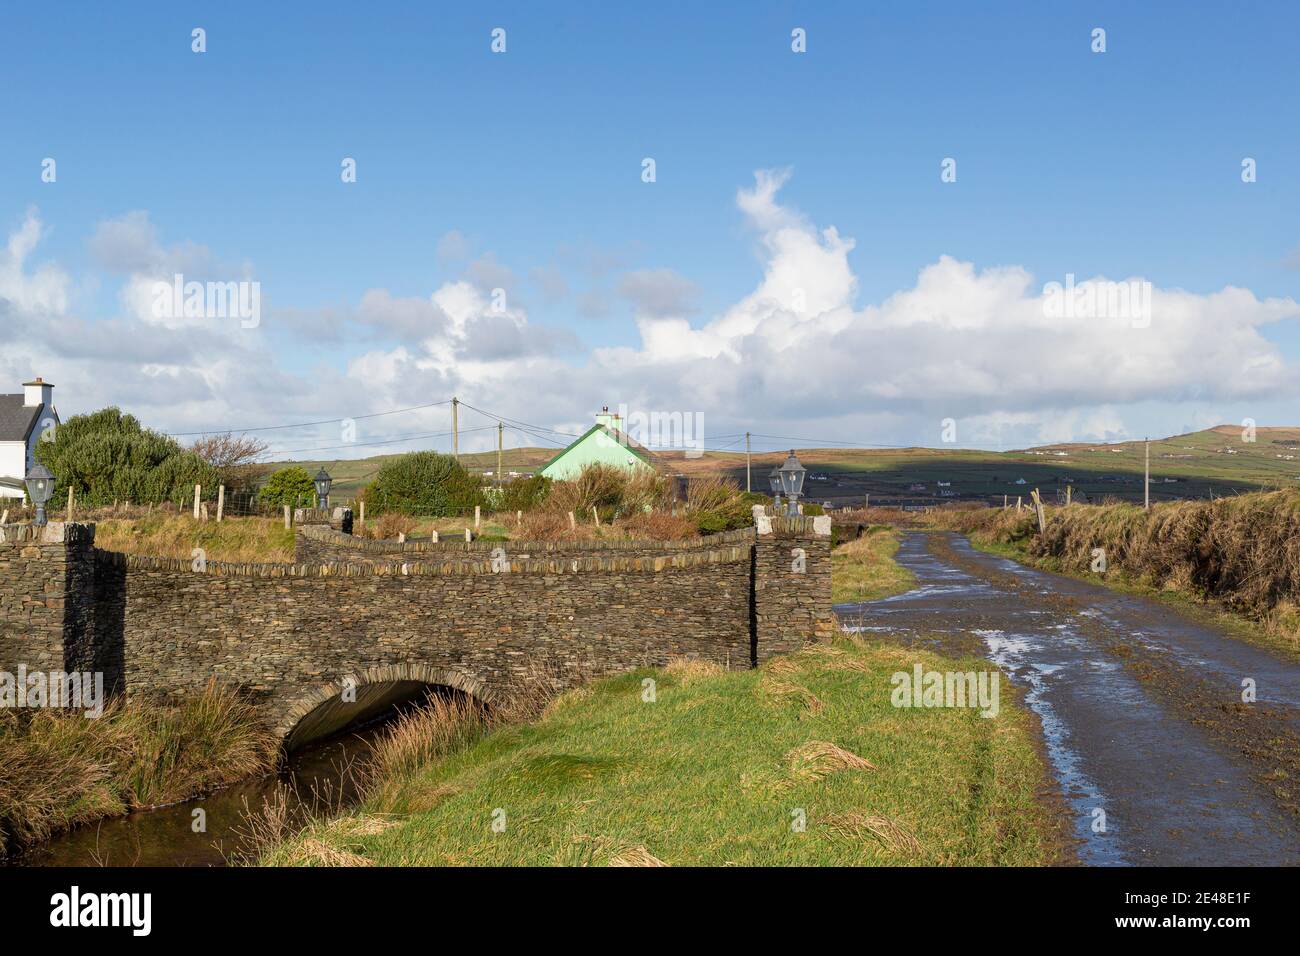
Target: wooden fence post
[[1038, 508], [197, 490], [71, 501], [595, 514], [573, 522], [476, 517], [288, 518], [221, 502], [363, 512]]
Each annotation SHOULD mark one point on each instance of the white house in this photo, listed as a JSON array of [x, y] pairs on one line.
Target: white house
[[23, 418]]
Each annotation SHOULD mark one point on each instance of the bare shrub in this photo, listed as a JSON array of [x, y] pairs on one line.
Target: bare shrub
[[659, 526], [389, 525]]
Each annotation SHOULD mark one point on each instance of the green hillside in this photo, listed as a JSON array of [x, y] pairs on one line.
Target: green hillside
[[1202, 464]]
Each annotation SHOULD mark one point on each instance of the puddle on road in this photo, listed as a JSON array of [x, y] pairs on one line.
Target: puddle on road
[[1081, 793]]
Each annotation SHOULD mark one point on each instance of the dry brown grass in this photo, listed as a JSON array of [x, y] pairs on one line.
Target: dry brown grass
[[313, 852], [1243, 551], [687, 670], [58, 768], [861, 826], [237, 540], [442, 725], [820, 758], [387, 526], [554, 526], [783, 692], [609, 490], [830, 657], [658, 526], [635, 856], [711, 493]]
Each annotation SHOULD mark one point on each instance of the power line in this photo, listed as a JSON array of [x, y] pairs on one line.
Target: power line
[[328, 421], [385, 441]]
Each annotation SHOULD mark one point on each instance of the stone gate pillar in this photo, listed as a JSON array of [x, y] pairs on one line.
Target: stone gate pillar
[[792, 583], [340, 519], [47, 597]]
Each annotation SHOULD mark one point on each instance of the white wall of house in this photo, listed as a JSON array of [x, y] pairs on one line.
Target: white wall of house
[[13, 465], [18, 457]]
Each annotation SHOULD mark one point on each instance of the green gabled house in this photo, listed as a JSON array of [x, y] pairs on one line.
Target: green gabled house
[[605, 443]]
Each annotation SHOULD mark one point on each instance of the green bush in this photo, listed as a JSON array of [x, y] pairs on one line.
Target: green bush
[[107, 457], [290, 486], [522, 494], [424, 483]]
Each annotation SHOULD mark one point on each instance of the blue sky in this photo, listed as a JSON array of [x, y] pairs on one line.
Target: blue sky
[[1125, 163]]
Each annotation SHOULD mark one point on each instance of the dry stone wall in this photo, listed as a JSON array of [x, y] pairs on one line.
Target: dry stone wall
[[459, 614]]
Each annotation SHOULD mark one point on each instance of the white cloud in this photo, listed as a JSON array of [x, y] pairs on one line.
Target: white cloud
[[796, 356], [44, 290]]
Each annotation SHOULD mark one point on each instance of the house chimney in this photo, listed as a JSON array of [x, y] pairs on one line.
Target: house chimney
[[37, 392], [609, 419]]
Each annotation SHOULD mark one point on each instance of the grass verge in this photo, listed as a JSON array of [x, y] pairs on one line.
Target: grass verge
[[803, 761], [864, 569], [58, 769], [239, 540]]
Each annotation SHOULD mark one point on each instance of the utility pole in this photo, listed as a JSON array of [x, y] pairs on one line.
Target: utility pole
[[1146, 484], [500, 477], [455, 428], [748, 484]]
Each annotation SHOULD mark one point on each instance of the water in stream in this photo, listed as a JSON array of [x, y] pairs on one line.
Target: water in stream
[[314, 778]]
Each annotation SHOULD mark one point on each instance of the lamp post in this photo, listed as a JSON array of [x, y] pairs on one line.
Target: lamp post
[[40, 488], [774, 479], [792, 475], [322, 481]]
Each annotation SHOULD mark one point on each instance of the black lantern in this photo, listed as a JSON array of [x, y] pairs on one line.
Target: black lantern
[[40, 488], [774, 480], [792, 475], [322, 482]]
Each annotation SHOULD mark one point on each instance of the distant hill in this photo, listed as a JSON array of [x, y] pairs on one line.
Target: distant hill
[[1202, 464]]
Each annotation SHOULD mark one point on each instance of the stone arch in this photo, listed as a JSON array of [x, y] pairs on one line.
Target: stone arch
[[309, 699]]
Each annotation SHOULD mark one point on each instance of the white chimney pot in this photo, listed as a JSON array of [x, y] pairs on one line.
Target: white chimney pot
[[37, 392]]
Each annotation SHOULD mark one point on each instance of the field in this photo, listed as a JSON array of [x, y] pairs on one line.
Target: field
[[1203, 464], [804, 761]]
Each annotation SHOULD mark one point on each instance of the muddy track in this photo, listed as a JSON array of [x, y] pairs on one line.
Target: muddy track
[[1159, 760]]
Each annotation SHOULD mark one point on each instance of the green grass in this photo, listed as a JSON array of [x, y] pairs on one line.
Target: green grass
[[161, 535], [718, 770], [864, 569]]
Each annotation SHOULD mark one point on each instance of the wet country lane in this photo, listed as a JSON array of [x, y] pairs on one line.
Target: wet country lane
[[1140, 706]]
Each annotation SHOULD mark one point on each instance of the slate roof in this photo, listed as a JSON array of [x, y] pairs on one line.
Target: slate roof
[[16, 420]]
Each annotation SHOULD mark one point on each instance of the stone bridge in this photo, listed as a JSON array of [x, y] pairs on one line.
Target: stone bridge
[[384, 618]]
